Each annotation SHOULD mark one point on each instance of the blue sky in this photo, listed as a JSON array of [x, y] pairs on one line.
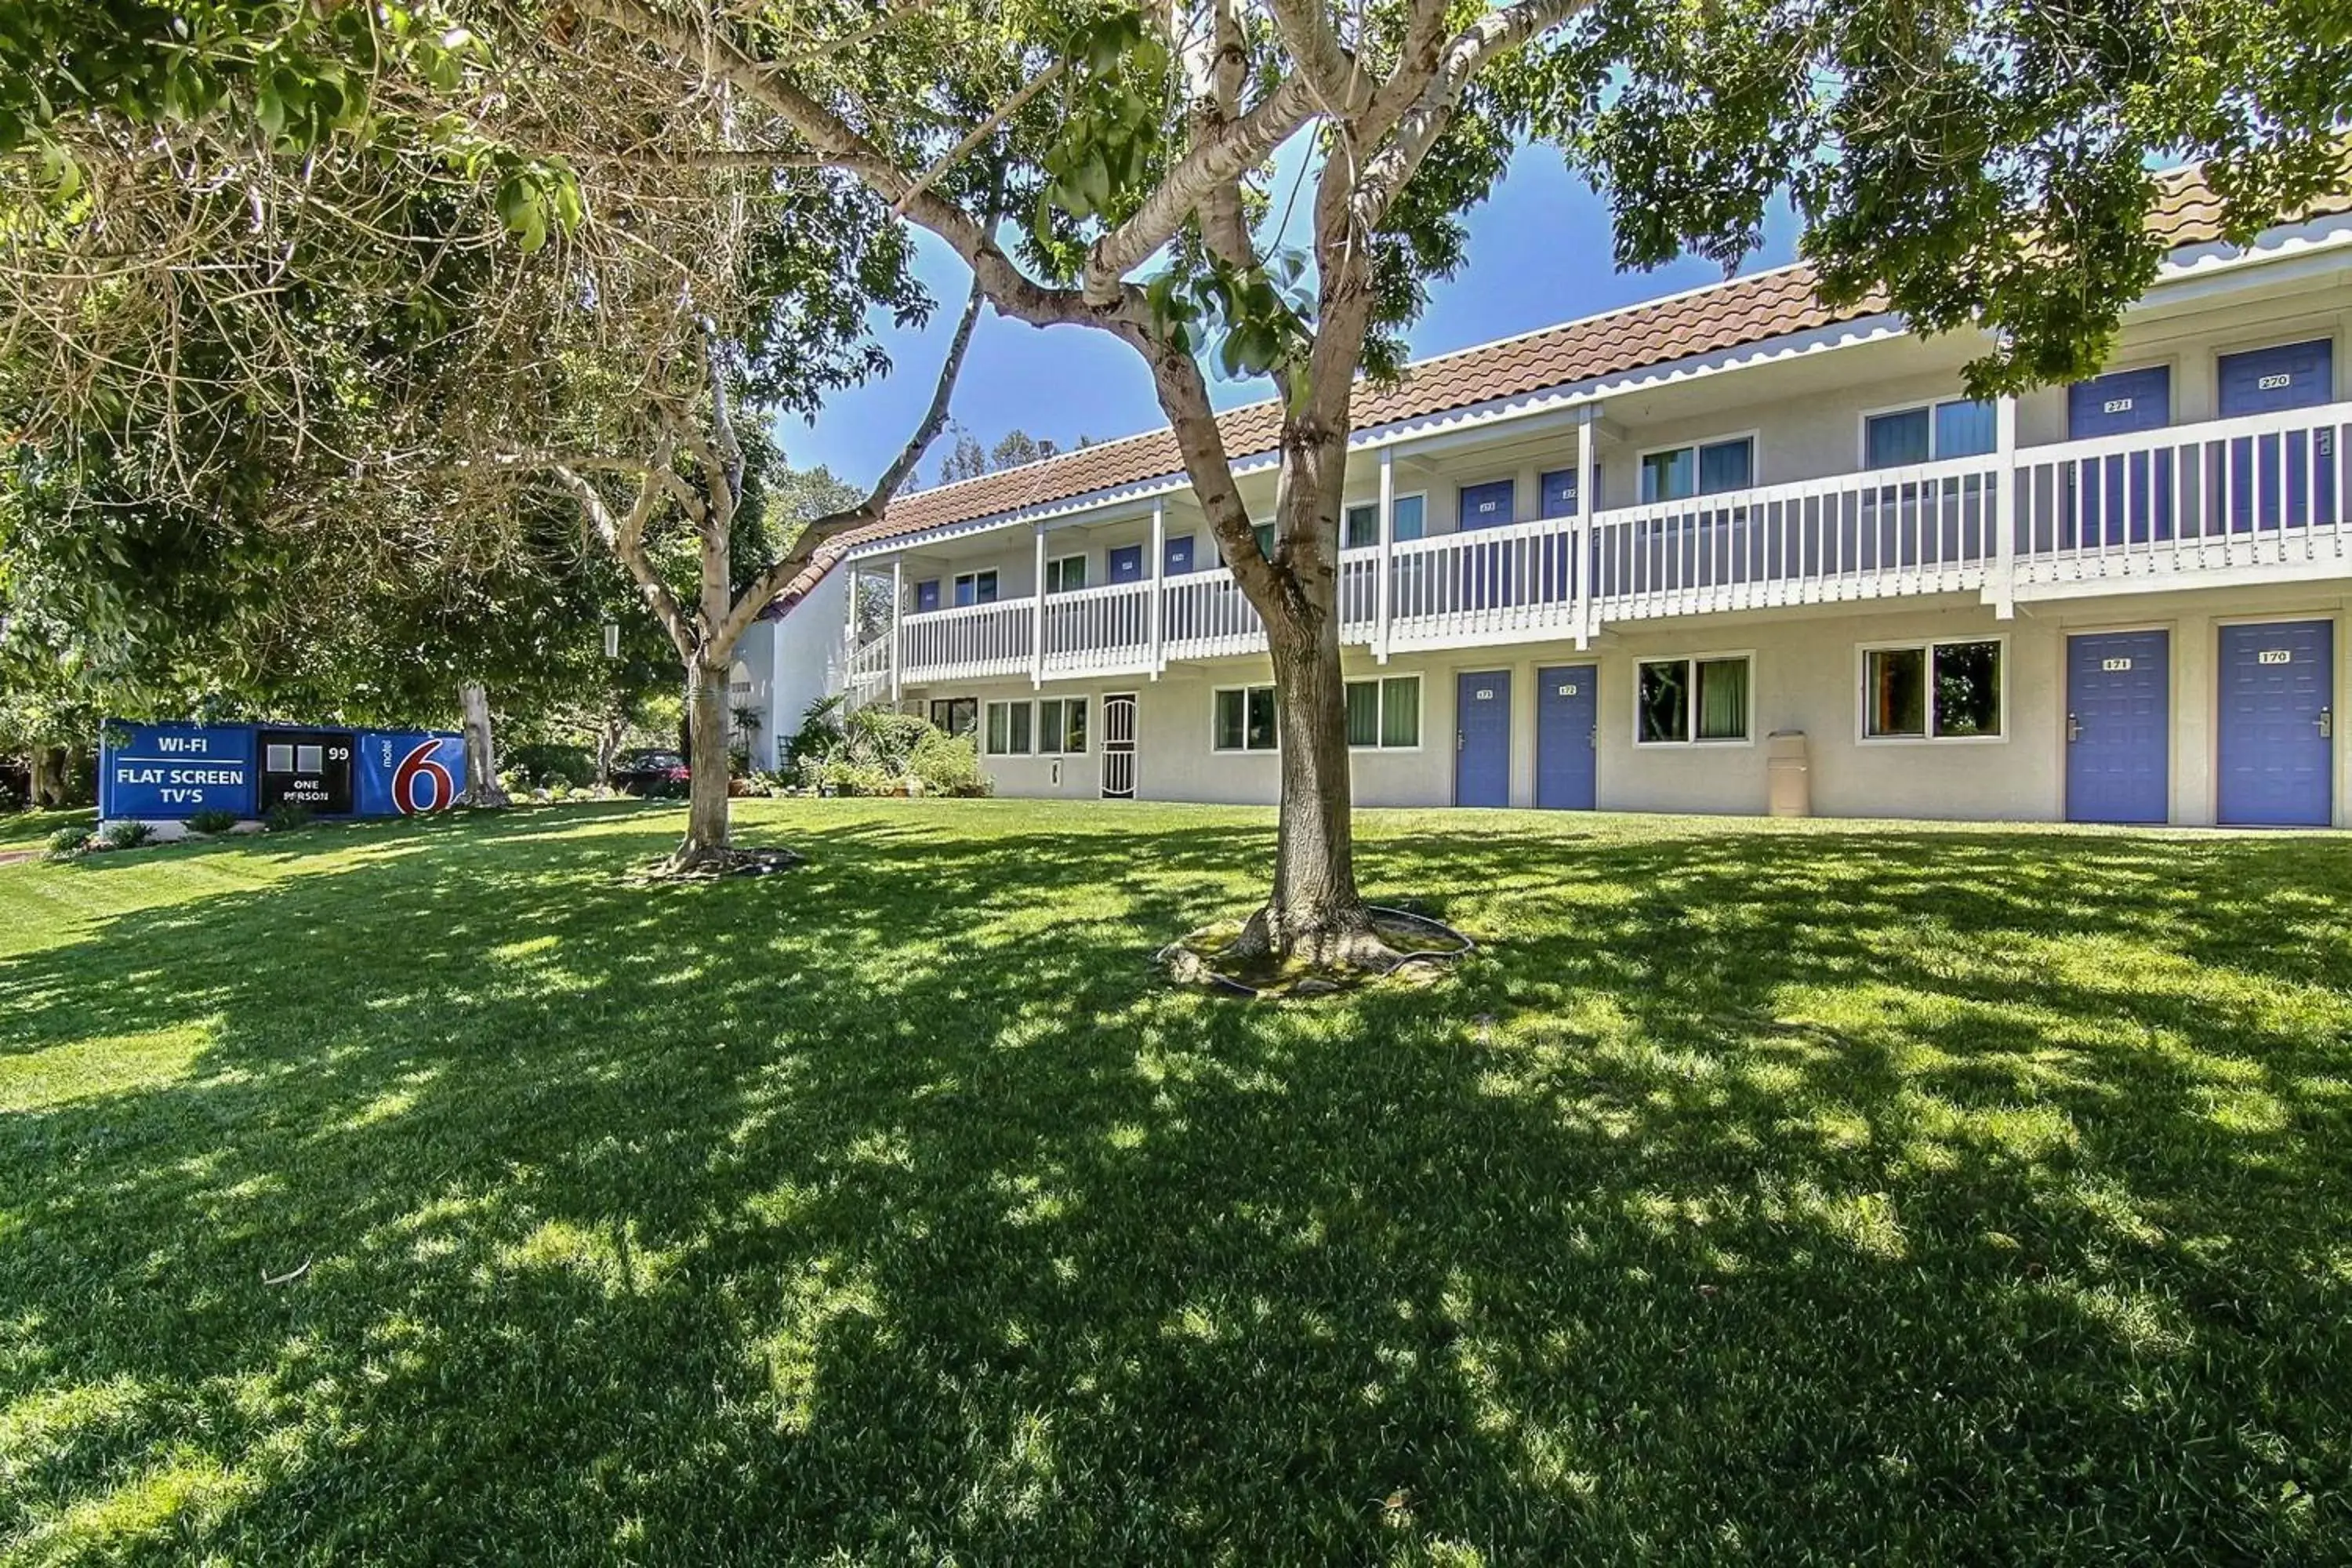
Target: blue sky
[[1540, 253]]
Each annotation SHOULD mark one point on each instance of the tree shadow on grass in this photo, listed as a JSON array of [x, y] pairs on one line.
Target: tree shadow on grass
[[1903, 1194]]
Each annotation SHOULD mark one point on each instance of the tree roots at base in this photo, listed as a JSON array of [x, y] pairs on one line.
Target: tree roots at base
[[1389, 942], [709, 864]]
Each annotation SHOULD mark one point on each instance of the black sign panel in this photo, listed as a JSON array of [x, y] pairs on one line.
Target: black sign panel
[[310, 768]]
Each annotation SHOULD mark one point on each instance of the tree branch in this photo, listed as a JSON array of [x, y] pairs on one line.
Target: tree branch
[[1340, 88], [1419, 126], [1214, 65], [1237, 148], [979, 133], [625, 538], [806, 545], [1425, 42], [1184, 398], [839, 145]]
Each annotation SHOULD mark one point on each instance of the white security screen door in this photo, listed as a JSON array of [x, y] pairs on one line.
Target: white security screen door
[[1118, 746]]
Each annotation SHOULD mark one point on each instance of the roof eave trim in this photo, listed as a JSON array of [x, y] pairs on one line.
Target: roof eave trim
[[1404, 432]]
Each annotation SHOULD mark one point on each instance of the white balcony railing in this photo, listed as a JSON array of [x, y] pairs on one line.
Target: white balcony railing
[[869, 664], [2267, 490], [1205, 615], [2268, 493], [1458, 588], [970, 640], [1100, 629], [1928, 529]]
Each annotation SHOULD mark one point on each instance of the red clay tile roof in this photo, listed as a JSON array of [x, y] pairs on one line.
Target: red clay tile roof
[[1727, 315], [1742, 310]]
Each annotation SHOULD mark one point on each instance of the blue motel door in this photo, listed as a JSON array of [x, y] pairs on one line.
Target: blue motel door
[[2280, 480], [2277, 690], [1482, 739], [2124, 496], [2118, 729], [1566, 713]]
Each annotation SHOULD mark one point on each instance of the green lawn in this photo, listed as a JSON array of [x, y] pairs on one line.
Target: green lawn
[[1812, 1193], [31, 829]]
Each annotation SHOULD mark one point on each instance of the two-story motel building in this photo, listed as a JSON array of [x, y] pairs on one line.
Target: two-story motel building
[[1601, 563]]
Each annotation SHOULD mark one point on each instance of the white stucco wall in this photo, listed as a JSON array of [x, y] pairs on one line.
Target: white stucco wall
[[1807, 676], [795, 661]]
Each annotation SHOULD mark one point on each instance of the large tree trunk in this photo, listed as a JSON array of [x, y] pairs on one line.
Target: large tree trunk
[[48, 781], [482, 788], [705, 808], [608, 746], [1313, 914]]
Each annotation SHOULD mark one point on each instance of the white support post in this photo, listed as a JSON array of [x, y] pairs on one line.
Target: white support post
[[897, 608], [2004, 509], [849, 635], [1588, 503], [1387, 555], [1155, 570], [1037, 622]]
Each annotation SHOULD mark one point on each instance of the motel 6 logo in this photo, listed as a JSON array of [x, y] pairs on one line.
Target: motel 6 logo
[[422, 782]]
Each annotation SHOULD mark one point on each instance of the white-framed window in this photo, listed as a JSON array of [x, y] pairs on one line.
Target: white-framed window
[[1926, 432], [1385, 714], [975, 587], [1945, 689], [1699, 468], [1703, 699], [1065, 573], [1009, 729], [1061, 726], [1241, 719], [956, 715], [1360, 528]]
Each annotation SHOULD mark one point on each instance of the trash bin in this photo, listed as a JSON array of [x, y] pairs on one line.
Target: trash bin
[[1788, 773]]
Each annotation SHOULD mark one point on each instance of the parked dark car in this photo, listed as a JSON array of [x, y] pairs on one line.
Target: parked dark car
[[651, 773]]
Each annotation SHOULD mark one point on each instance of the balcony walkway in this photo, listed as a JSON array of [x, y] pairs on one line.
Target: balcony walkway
[[2255, 499]]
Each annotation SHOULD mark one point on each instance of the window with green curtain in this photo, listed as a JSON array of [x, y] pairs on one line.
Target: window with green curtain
[[1662, 695], [1362, 529], [1723, 699], [1049, 725], [999, 734], [1411, 521], [1261, 737], [1231, 720], [1021, 721], [1073, 725], [1401, 710], [1670, 476], [1363, 712]]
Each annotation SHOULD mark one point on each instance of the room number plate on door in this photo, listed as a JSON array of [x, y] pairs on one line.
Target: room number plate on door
[[1484, 694], [1569, 690], [2276, 656], [2114, 665]]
